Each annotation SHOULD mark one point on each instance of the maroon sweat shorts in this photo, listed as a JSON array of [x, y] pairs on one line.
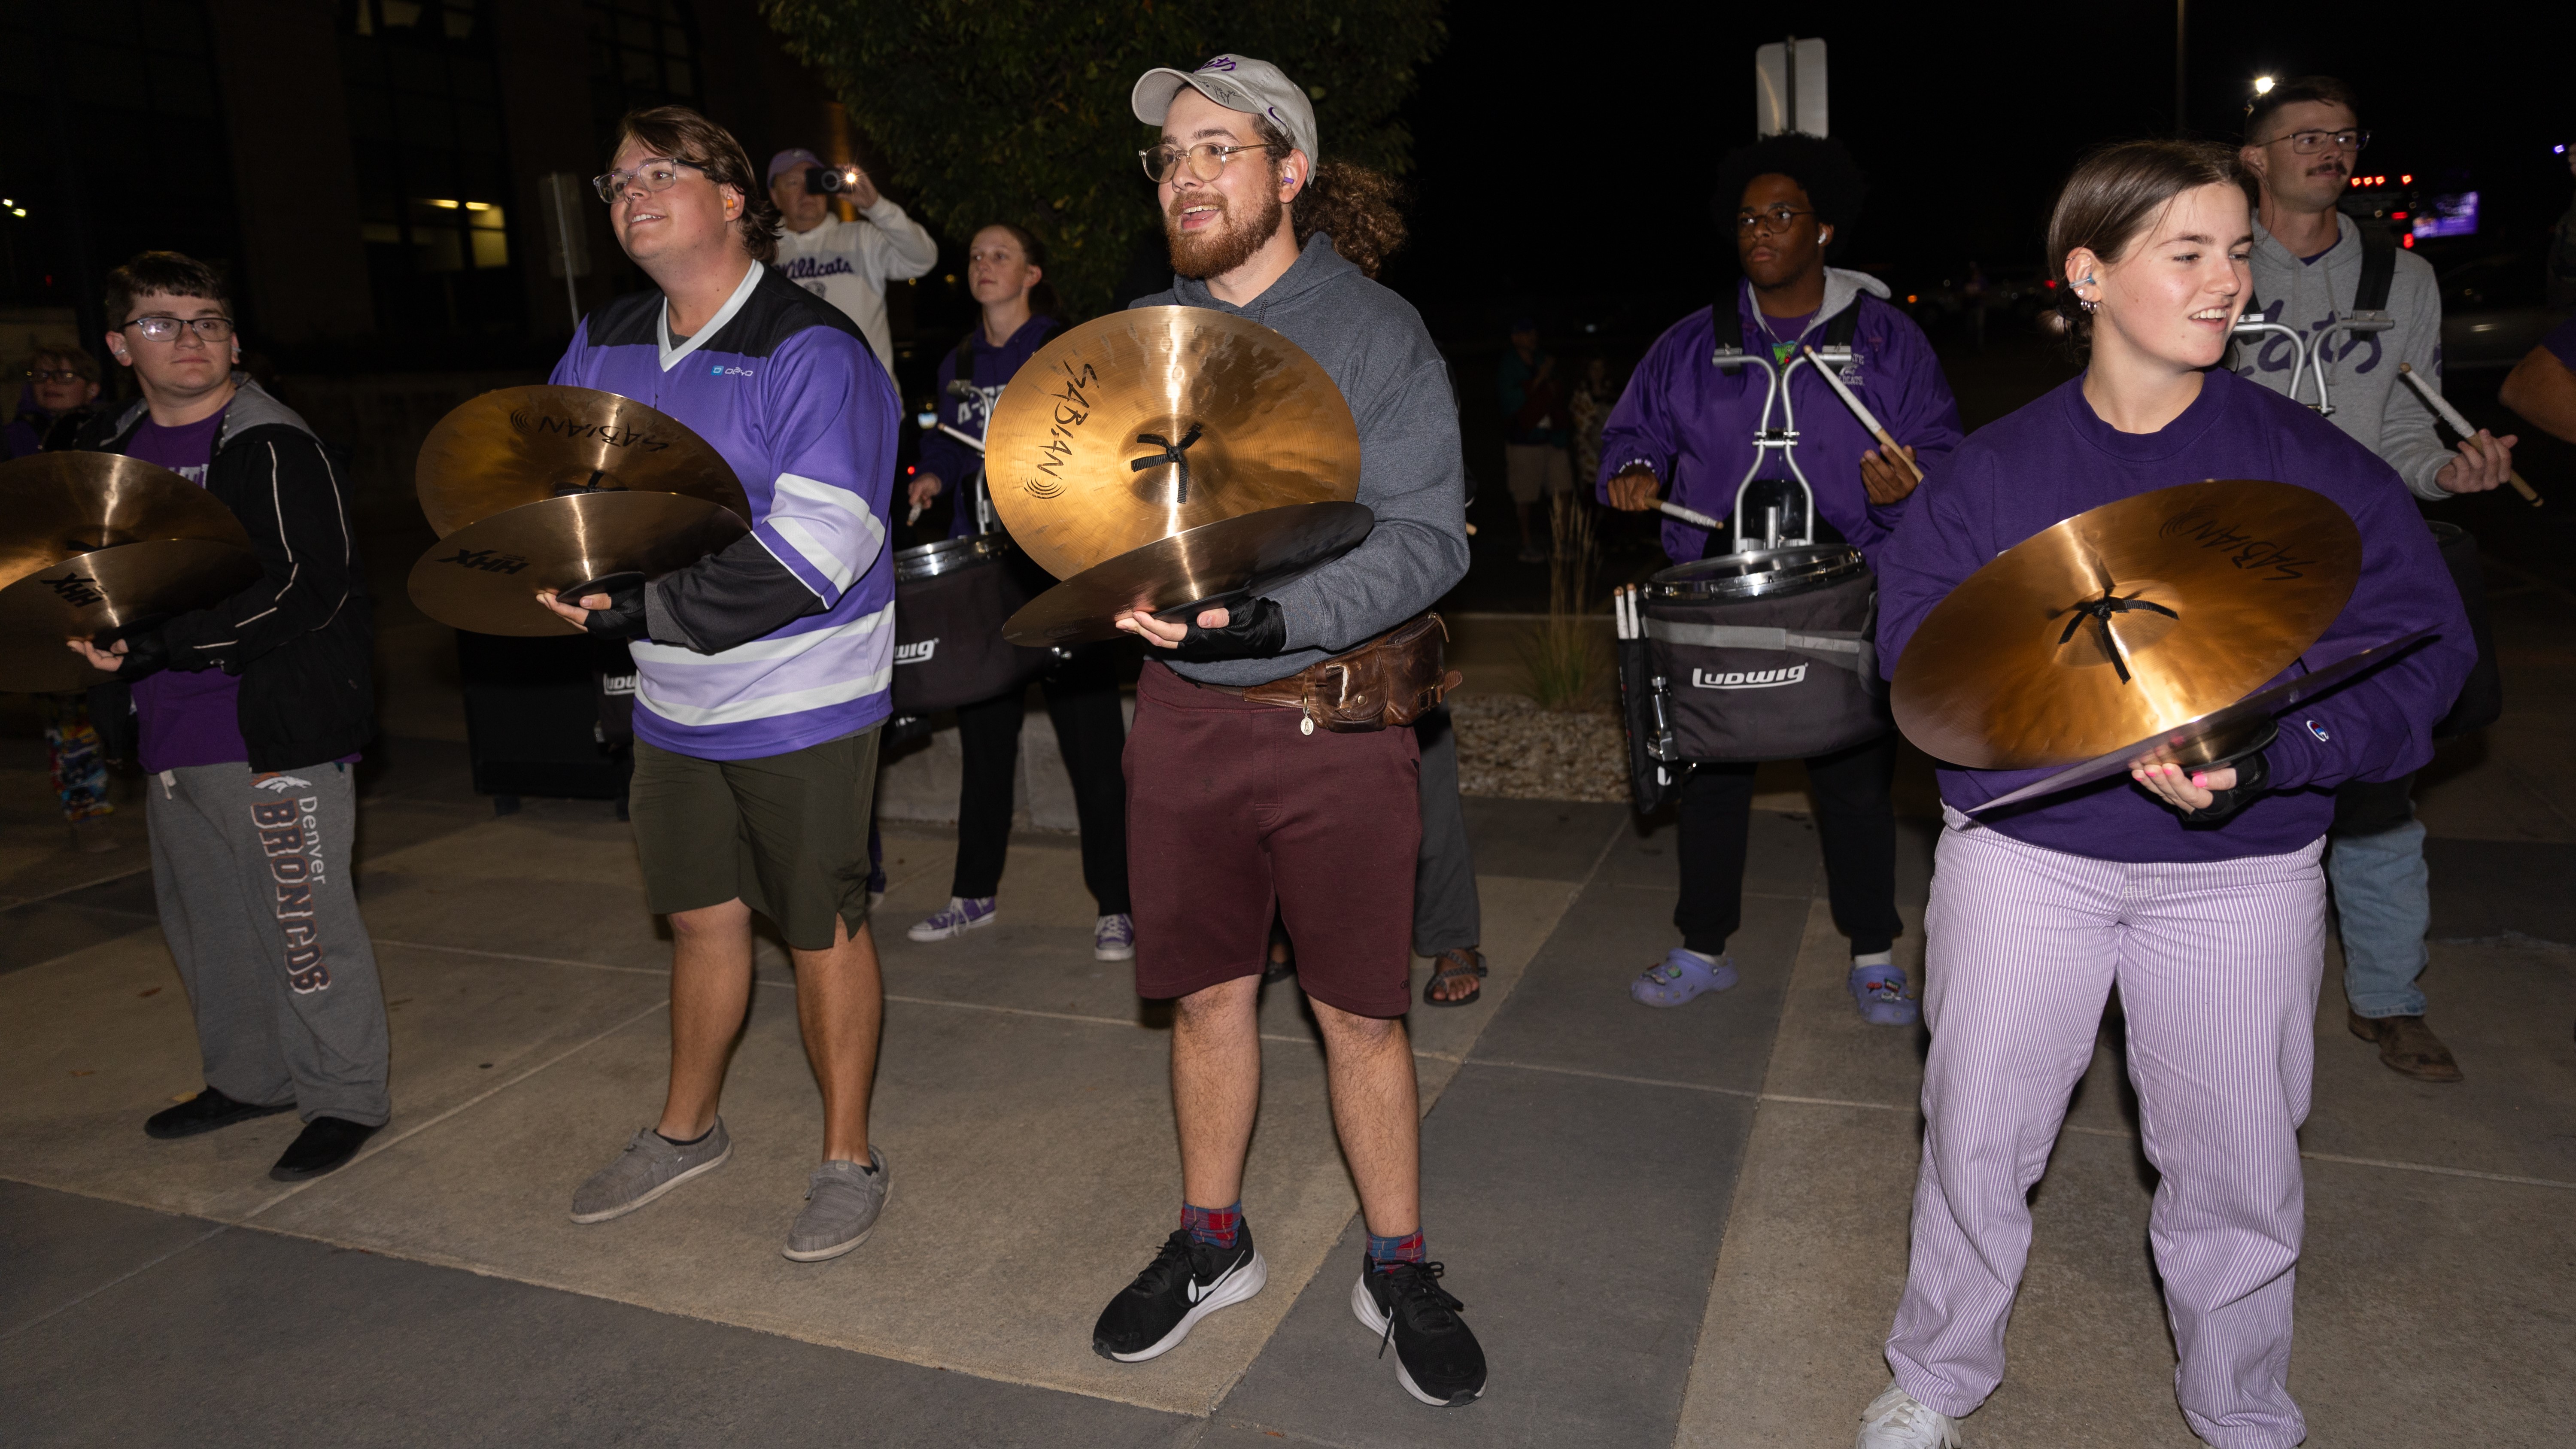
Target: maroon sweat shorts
[[1231, 810]]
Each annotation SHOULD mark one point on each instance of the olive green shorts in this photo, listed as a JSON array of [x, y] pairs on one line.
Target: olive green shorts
[[787, 835]]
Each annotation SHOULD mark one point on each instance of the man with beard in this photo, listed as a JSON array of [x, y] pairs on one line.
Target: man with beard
[[1236, 807], [2314, 267]]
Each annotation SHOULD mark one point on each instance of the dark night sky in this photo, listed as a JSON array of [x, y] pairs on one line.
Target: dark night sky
[[1562, 153]]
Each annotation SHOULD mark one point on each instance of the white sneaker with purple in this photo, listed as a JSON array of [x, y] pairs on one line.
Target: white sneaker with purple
[[962, 915], [1113, 938]]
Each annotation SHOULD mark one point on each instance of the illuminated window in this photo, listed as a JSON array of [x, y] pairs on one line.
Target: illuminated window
[[423, 93]]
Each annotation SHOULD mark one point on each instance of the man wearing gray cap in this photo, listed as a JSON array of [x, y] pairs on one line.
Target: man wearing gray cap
[[1236, 807], [846, 263]]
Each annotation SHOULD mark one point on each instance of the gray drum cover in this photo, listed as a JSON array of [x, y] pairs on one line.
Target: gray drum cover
[[949, 648], [1811, 688]]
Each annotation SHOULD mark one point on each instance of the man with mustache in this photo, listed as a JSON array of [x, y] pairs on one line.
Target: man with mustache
[[1236, 807], [2310, 264]]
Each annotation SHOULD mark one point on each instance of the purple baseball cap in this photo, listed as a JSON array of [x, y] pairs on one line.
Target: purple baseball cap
[[792, 158], [1238, 83]]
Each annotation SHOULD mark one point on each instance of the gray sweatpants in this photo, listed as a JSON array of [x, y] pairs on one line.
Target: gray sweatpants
[[252, 875], [1446, 914]]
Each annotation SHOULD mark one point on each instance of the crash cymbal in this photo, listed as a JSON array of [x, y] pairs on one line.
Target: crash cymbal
[[1154, 421], [80, 596], [2219, 735], [484, 577], [2125, 621], [55, 505], [517, 445], [1231, 558]]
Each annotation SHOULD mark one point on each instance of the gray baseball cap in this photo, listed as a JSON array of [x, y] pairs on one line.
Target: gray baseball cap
[[1238, 83]]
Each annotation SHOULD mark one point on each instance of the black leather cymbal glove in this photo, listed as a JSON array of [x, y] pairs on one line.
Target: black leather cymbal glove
[[624, 616], [1253, 630], [2253, 781], [145, 652]]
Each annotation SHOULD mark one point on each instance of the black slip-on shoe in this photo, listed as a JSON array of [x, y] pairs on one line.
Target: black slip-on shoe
[[325, 1145], [1187, 1281], [1437, 1358], [205, 1112]]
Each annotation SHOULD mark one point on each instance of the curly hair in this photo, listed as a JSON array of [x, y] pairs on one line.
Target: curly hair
[[1824, 170], [1360, 209], [683, 135], [2115, 193]]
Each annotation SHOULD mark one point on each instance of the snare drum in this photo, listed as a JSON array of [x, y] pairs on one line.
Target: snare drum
[[950, 599], [1764, 655]]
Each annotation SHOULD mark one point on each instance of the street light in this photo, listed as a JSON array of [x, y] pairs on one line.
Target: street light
[[2262, 85]]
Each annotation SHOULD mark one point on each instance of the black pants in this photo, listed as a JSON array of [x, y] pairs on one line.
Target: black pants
[[1082, 699], [1853, 817]]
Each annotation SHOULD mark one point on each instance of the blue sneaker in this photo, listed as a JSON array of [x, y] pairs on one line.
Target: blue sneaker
[[1880, 991], [1684, 974], [962, 915], [1113, 938]]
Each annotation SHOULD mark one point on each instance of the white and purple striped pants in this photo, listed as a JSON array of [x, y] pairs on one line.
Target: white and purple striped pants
[[2217, 966]]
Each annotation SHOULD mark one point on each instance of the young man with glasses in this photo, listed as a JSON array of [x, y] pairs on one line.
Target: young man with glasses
[[1233, 809], [762, 670], [1684, 429], [2311, 264], [248, 715], [846, 263]]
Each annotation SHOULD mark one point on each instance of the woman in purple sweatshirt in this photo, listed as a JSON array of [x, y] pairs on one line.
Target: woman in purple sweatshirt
[[2197, 893]]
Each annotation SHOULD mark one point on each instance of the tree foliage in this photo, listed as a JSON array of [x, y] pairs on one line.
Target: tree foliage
[[1017, 110]]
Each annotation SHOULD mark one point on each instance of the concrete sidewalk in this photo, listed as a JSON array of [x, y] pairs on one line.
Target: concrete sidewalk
[[1679, 1227]]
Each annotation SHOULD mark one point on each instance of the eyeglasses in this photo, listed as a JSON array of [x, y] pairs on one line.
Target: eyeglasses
[[1206, 159], [162, 329], [1778, 218], [2309, 143], [657, 173], [52, 374]]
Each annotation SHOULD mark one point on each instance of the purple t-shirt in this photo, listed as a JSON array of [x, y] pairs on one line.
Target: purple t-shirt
[[186, 717], [2561, 343]]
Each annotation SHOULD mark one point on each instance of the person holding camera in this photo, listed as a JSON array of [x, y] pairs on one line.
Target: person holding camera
[[846, 263]]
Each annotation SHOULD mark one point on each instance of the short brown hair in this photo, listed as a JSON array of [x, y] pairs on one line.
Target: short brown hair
[[2324, 88], [683, 135], [2116, 193], [65, 355], [167, 274], [1360, 209]]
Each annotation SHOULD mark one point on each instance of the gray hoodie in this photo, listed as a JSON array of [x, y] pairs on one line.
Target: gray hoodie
[[1412, 474], [2372, 403]]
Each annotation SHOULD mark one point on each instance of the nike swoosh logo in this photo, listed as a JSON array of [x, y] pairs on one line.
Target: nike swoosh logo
[[1196, 1292]]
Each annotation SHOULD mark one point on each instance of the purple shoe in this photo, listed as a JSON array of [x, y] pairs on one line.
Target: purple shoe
[[1683, 975], [1880, 990], [960, 916]]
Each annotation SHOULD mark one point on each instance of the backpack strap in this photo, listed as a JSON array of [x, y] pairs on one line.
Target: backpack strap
[[1844, 325], [2378, 269]]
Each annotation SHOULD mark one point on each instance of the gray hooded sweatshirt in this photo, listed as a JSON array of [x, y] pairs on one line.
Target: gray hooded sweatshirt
[[1412, 473], [2372, 403]]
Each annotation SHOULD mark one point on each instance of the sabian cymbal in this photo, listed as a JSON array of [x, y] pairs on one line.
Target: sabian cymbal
[[517, 445], [80, 596], [56, 505], [1231, 558], [2125, 621], [484, 577], [2218, 735], [1080, 451]]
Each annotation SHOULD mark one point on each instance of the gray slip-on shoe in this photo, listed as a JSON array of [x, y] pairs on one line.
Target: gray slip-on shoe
[[842, 1201], [650, 1166]]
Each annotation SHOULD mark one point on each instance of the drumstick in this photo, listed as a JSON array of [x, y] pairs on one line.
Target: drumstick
[[1691, 516], [913, 517], [1863, 413], [2460, 425]]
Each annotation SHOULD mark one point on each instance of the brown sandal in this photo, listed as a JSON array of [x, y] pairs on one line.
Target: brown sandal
[[1463, 961]]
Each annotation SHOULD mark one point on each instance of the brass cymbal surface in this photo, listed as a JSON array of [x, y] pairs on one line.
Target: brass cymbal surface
[[80, 596], [1232, 557], [2125, 621], [520, 445], [484, 577], [1157, 420], [56, 505]]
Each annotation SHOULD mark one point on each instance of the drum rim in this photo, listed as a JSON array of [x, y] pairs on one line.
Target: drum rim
[[1830, 562], [947, 556]]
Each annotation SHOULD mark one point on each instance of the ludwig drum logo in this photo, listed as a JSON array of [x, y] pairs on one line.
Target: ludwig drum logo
[[916, 653], [1747, 678]]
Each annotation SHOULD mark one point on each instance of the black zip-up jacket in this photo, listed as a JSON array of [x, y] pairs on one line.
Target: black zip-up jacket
[[300, 637]]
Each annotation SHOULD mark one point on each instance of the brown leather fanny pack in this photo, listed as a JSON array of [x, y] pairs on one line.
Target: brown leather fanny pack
[[1390, 680]]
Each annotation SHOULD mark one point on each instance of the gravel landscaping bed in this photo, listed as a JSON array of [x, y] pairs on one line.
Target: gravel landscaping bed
[[1508, 746]]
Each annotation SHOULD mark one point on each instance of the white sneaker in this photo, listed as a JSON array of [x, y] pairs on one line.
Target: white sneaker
[[1894, 1420], [960, 916]]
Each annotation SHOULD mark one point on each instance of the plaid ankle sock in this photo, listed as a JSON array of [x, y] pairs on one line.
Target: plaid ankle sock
[[1385, 1253], [1213, 1226]]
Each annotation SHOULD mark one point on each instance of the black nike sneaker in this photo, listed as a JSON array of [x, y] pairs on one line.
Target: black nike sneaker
[[1437, 1358], [1187, 1281]]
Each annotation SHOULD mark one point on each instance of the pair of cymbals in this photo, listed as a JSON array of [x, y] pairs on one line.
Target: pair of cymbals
[[91, 542], [559, 487], [2135, 631], [1168, 456]]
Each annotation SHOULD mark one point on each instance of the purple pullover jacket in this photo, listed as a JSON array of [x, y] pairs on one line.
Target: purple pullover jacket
[[950, 459]]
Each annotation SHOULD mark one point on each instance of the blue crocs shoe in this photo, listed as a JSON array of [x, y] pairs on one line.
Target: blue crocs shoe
[[1880, 992], [1683, 975]]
